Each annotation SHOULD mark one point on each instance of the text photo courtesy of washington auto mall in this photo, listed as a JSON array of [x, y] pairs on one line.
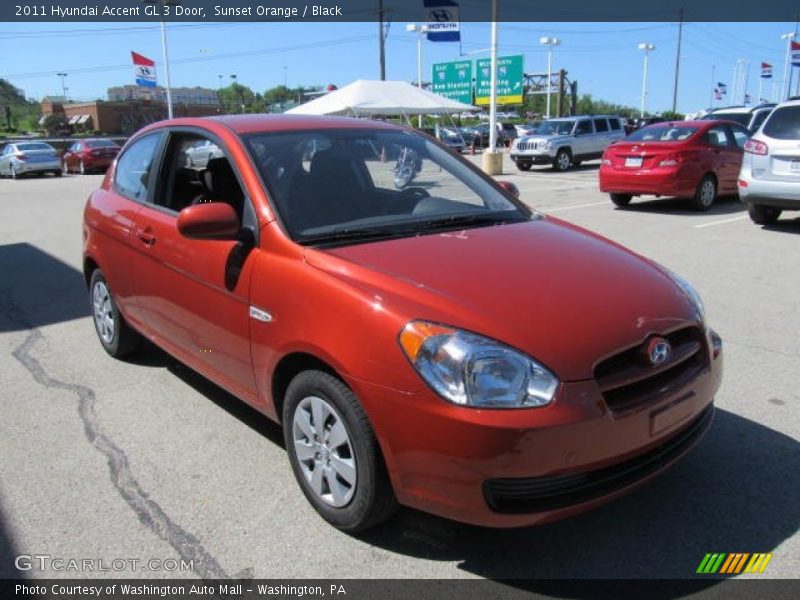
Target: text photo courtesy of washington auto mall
[[399, 299]]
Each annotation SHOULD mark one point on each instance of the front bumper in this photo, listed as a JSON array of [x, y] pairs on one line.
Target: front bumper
[[538, 158], [489, 467]]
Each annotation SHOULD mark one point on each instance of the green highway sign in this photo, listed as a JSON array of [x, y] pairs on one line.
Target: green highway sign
[[453, 80], [510, 75]]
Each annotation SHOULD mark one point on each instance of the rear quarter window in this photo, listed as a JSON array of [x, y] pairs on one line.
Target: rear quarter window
[[615, 126], [132, 177], [784, 123]]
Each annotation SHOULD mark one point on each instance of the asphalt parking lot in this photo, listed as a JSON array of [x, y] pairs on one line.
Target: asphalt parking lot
[[145, 459]]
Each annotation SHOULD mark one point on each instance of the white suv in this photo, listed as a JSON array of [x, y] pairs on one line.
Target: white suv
[[769, 180], [567, 141]]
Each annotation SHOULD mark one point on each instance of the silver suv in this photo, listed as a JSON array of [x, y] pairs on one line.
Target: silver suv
[[567, 141], [769, 180], [750, 117]]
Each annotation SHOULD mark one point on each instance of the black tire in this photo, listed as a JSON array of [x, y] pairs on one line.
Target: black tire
[[372, 500], [523, 166], [763, 215], [706, 193], [621, 200], [57, 173], [563, 160], [124, 340]]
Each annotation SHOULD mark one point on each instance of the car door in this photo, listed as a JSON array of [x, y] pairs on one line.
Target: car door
[[726, 157], [4, 155], [193, 295], [583, 140], [602, 136]]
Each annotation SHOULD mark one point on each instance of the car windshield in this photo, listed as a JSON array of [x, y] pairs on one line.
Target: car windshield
[[784, 123], [737, 117], [555, 127], [101, 144], [349, 185], [34, 146], [663, 133]]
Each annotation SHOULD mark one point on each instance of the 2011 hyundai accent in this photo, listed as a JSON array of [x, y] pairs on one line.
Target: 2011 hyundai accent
[[423, 337]]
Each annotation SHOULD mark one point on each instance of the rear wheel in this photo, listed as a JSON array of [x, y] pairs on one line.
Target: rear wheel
[[621, 200], [763, 215], [116, 336], [563, 160], [705, 194], [334, 453]]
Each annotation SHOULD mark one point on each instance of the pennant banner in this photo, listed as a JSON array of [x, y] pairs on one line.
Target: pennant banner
[[795, 54], [144, 70], [766, 71]]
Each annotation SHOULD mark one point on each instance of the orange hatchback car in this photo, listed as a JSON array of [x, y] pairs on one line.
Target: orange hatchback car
[[423, 337]]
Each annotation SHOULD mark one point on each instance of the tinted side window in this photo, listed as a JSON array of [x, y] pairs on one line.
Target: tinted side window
[[132, 176], [584, 127], [615, 126], [600, 125], [716, 136], [759, 119], [784, 123]]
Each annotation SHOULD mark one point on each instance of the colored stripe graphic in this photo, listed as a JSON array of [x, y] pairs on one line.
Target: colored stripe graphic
[[733, 563]]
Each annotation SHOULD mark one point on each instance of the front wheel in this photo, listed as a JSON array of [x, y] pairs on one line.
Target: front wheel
[[763, 215], [621, 200], [523, 166], [563, 160], [334, 453], [706, 193], [116, 336]]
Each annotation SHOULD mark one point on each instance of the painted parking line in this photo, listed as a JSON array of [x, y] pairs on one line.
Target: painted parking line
[[573, 206], [722, 222]]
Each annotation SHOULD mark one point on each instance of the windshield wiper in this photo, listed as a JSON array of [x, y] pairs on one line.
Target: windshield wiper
[[468, 219], [347, 234]]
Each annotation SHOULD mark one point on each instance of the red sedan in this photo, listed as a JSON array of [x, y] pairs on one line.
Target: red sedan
[[697, 160], [425, 340], [89, 155]]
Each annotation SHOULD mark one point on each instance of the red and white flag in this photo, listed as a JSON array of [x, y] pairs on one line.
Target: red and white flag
[[766, 71], [144, 70], [795, 54]]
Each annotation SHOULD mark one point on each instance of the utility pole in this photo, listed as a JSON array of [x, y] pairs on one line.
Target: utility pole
[[677, 63], [381, 40]]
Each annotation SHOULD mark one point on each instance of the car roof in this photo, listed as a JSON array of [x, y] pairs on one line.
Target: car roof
[[243, 124]]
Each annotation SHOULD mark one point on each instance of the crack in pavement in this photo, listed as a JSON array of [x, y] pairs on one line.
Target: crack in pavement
[[149, 513]]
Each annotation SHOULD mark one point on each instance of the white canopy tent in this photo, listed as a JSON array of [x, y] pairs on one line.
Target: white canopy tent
[[365, 98]]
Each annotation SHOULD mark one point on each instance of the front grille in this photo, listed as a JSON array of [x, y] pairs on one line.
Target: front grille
[[528, 145], [536, 494], [628, 381]]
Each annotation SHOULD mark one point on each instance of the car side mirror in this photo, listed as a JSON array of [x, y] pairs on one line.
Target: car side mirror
[[510, 188], [211, 221]]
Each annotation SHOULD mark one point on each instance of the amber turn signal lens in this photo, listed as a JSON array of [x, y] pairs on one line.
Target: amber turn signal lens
[[415, 333]]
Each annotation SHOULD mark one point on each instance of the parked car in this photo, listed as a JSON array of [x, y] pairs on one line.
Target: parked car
[[750, 117], [200, 153], [506, 132], [390, 331], [567, 141], [769, 180], [25, 158], [452, 138], [697, 160], [89, 155]]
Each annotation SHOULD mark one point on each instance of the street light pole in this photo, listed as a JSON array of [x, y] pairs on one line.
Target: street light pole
[[63, 85], [420, 30], [549, 42], [647, 48]]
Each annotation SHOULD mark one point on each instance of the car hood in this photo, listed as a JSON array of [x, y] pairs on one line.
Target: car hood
[[538, 137], [563, 295]]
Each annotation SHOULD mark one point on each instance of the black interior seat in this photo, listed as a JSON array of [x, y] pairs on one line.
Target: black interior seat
[[221, 185]]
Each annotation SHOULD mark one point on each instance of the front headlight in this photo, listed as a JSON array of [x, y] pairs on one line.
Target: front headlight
[[472, 370], [691, 293]]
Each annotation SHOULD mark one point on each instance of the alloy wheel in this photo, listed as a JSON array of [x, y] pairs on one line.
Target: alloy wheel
[[103, 312], [324, 451]]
